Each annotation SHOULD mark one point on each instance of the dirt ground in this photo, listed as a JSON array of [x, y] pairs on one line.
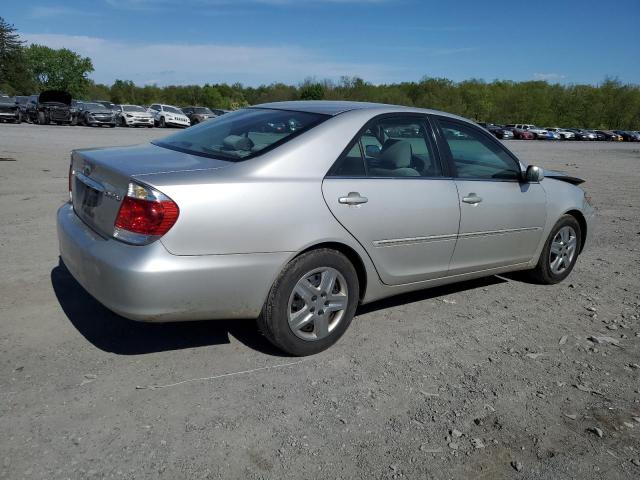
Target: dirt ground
[[489, 379]]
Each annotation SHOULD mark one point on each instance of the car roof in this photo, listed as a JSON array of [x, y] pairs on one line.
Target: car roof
[[336, 107]]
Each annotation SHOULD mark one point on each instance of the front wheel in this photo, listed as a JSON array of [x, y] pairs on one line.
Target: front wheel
[[42, 120], [162, 124], [311, 303], [560, 252]]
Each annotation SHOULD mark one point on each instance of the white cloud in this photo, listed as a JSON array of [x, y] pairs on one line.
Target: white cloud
[[173, 63], [549, 76]]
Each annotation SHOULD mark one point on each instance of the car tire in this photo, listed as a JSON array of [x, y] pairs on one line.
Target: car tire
[[161, 123], [41, 118], [560, 252], [326, 315], [123, 122]]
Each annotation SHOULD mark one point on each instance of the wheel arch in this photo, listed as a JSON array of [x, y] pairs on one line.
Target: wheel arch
[[353, 257], [582, 221]]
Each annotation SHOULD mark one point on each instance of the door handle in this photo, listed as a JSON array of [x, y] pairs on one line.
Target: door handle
[[353, 198], [472, 198]]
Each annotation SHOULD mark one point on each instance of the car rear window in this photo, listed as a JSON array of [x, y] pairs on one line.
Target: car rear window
[[242, 134]]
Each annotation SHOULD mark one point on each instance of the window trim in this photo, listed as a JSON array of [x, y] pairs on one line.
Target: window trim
[[430, 138], [447, 155]]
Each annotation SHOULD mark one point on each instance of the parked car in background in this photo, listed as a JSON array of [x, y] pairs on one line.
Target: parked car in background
[[539, 133], [581, 134], [562, 133], [50, 106], [175, 230], [22, 101], [498, 130], [133, 116], [520, 134], [611, 136], [197, 115], [93, 114], [169, 116], [628, 135], [9, 109], [74, 108]]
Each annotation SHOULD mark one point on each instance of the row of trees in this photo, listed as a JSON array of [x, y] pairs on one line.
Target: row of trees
[[608, 105], [25, 70]]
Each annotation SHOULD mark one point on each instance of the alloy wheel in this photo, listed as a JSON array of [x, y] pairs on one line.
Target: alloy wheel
[[563, 249], [317, 303]]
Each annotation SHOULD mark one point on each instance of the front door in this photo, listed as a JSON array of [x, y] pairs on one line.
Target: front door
[[501, 218], [388, 190]]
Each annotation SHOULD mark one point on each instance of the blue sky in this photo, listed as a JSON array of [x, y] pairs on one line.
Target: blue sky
[[264, 41]]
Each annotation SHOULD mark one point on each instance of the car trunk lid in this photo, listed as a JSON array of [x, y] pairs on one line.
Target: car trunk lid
[[100, 178]]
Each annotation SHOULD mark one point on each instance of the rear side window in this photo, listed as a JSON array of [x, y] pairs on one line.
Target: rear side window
[[390, 147], [475, 155], [242, 134]]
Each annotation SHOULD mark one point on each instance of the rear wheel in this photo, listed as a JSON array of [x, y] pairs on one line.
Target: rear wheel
[[560, 252], [311, 303]]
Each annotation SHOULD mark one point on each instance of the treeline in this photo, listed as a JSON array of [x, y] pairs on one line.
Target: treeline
[[612, 104], [608, 105]]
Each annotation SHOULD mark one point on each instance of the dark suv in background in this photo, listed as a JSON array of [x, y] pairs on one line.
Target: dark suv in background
[[198, 114], [9, 110], [50, 106]]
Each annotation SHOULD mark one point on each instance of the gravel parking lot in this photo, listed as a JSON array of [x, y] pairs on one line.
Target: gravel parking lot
[[494, 378]]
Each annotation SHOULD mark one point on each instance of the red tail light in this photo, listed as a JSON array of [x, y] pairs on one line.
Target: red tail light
[[145, 214]]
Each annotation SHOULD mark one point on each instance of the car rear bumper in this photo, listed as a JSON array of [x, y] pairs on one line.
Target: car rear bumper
[[148, 283]]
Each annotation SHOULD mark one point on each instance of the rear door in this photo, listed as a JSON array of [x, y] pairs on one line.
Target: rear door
[[391, 193], [501, 218]]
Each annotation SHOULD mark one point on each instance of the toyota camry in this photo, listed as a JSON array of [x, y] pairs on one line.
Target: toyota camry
[[344, 204]]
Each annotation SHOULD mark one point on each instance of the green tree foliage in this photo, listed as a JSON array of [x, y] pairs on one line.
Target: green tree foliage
[[15, 77], [611, 104], [59, 69]]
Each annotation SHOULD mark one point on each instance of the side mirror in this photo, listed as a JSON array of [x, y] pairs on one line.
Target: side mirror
[[372, 151], [533, 174]]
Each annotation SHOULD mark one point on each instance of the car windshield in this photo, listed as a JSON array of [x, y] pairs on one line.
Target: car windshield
[[203, 110], [172, 110], [133, 108], [8, 99], [242, 134], [94, 106]]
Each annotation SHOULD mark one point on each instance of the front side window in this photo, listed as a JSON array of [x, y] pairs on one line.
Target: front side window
[[242, 134], [390, 147], [475, 155]]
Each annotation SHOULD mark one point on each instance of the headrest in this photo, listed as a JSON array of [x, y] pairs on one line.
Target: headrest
[[237, 142], [397, 153]]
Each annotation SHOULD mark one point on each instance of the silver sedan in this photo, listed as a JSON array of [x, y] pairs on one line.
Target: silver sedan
[[295, 213]]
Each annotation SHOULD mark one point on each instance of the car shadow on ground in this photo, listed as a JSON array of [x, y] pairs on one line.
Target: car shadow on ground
[[112, 333], [429, 293]]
